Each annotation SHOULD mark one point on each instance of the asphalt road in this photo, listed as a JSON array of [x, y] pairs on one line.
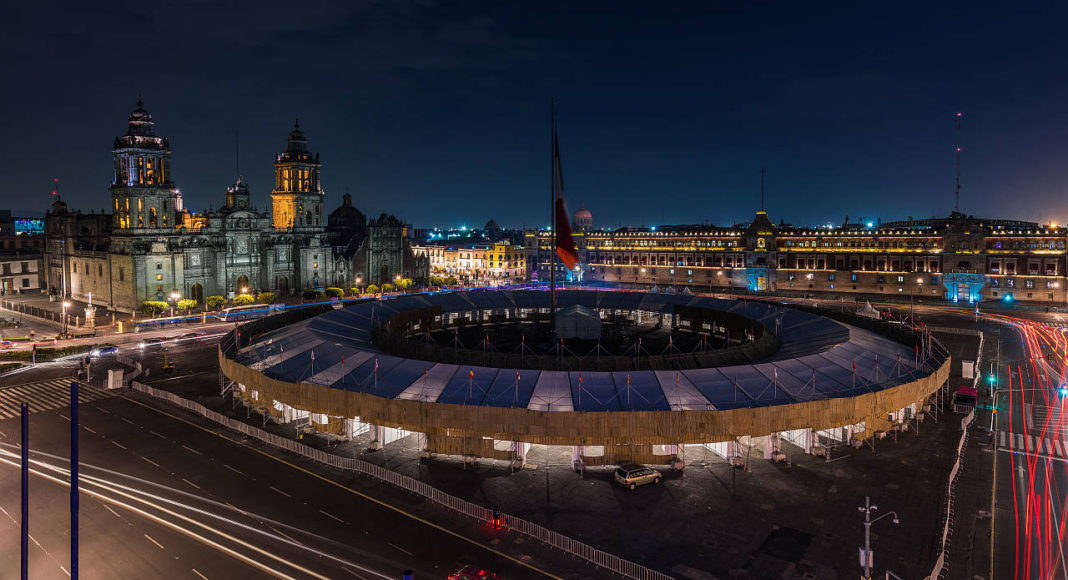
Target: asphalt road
[[172, 499]]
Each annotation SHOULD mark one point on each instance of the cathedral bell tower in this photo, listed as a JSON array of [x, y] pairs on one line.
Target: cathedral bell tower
[[297, 199], [143, 195]]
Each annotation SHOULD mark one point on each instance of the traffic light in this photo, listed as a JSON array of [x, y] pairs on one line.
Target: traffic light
[[992, 379], [1063, 391]]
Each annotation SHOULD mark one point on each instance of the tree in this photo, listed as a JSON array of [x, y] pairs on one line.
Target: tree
[[387, 287], [405, 283], [154, 307], [215, 302], [335, 292], [186, 304], [372, 289], [243, 300], [266, 298], [354, 291], [312, 294], [451, 281]]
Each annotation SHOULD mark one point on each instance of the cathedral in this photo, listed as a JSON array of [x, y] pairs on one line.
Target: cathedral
[[150, 247]]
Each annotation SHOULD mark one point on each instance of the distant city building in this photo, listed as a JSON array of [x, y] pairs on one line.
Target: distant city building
[[151, 246], [498, 262], [960, 259], [582, 220]]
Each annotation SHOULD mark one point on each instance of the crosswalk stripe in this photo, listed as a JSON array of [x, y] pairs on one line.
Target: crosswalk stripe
[[1004, 437], [44, 396], [1049, 446]]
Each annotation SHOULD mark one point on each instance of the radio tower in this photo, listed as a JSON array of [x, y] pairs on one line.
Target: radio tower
[[956, 193]]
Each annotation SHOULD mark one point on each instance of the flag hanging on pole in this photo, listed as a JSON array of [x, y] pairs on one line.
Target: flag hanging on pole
[[565, 243]]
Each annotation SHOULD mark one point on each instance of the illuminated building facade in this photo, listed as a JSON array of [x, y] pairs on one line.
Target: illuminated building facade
[[150, 246], [958, 259], [476, 263]]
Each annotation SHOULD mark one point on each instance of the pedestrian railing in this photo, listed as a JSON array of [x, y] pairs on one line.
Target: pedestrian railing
[[553, 539], [943, 547]]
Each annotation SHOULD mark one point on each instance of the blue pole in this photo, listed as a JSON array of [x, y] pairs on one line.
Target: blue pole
[[409, 575], [25, 490], [74, 480]]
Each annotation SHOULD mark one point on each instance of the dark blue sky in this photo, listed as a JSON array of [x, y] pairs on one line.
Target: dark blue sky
[[438, 112]]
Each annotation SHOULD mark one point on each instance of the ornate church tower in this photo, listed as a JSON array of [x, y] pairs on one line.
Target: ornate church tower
[[297, 198], [143, 195]]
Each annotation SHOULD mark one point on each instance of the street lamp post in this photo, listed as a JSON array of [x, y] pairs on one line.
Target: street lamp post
[[912, 300], [866, 554], [174, 301], [66, 305]]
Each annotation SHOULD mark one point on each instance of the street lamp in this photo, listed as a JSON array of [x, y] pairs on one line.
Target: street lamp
[[66, 305], [912, 299], [174, 301], [866, 554]]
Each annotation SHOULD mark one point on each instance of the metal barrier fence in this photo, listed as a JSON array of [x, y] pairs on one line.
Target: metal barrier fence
[[553, 539], [943, 549], [33, 311]]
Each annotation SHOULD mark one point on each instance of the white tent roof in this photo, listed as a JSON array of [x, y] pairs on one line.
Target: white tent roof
[[867, 311]]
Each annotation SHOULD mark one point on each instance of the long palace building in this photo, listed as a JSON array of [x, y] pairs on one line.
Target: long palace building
[[960, 258]]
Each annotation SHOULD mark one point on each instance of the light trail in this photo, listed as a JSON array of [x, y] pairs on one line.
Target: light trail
[[126, 491]]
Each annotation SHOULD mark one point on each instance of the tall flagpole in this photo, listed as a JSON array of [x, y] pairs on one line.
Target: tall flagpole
[[552, 220]]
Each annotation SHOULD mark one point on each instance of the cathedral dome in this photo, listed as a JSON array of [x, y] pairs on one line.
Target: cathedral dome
[[346, 217], [583, 219], [491, 226]]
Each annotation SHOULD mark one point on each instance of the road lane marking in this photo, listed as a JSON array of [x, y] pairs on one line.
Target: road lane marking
[[154, 542], [191, 483], [355, 492], [117, 444], [156, 434], [128, 421], [234, 470], [400, 548], [64, 416], [353, 572], [89, 429], [191, 449], [199, 574], [279, 491], [330, 515], [104, 410], [113, 512], [150, 461], [1019, 452]]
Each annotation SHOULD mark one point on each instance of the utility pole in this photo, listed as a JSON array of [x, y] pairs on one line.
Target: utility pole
[[866, 555]]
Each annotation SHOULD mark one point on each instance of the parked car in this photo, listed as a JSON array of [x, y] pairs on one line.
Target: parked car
[[472, 572], [631, 475], [104, 350], [7, 344]]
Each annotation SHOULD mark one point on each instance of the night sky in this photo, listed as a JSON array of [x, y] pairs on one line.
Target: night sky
[[439, 112]]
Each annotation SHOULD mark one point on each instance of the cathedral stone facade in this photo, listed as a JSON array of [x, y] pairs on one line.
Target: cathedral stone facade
[[150, 246]]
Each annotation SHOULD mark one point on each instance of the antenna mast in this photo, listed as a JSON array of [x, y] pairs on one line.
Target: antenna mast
[[237, 155], [956, 193]]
